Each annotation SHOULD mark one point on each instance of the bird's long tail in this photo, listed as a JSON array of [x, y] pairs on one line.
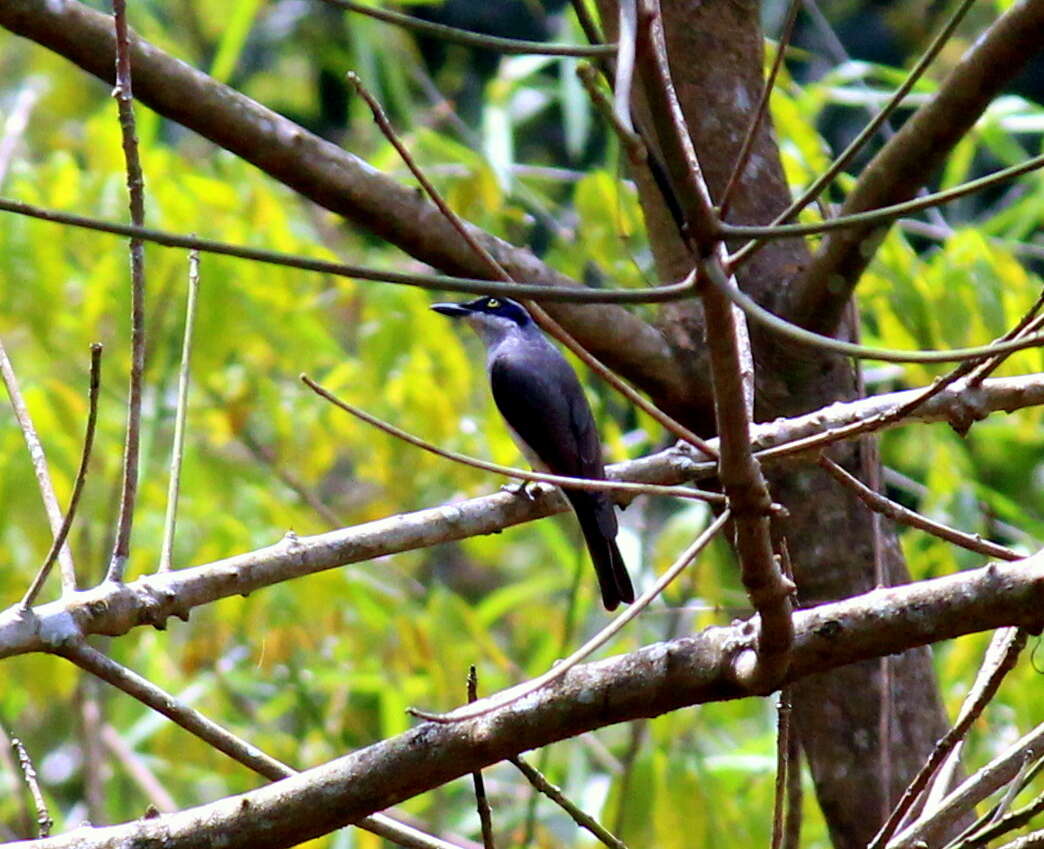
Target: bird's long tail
[[594, 511]]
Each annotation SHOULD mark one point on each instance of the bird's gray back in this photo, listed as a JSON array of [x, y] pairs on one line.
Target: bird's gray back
[[539, 395]]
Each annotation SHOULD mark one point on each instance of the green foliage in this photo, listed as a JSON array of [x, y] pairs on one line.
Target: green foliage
[[311, 669]]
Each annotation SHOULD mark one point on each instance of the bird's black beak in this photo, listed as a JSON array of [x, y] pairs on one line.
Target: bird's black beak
[[452, 310]]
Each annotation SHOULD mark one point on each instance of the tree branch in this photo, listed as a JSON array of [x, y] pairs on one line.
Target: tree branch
[[332, 178], [906, 162], [645, 683], [115, 609]]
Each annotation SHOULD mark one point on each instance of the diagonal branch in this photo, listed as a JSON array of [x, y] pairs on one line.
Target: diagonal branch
[[333, 178], [40, 468], [729, 355], [81, 476], [906, 162], [507, 46], [649, 682], [124, 95], [115, 609], [97, 663]]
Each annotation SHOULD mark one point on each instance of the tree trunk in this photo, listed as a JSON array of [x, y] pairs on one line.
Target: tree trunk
[[828, 531]]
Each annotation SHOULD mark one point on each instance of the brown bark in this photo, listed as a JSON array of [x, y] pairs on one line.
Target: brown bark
[[648, 682], [916, 152], [716, 52], [330, 176], [828, 531]]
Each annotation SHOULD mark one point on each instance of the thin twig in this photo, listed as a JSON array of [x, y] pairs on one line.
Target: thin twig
[[731, 370], [864, 135], [40, 469], [481, 802], [1024, 326], [43, 818], [138, 770], [508, 471], [90, 659], [578, 815], [1002, 770], [792, 820], [796, 333], [587, 23], [25, 816], [500, 273], [759, 111], [81, 476], [632, 141], [1031, 769], [1032, 325], [882, 215], [783, 767], [895, 511], [1009, 645], [1033, 840], [841, 56], [430, 282], [177, 450], [136, 190], [511, 46], [1016, 819], [596, 642]]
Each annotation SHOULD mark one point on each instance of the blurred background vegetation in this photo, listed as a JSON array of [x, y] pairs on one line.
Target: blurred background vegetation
[[311, 669]]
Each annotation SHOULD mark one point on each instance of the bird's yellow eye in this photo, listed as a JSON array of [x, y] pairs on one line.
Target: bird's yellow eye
[[492, 304]]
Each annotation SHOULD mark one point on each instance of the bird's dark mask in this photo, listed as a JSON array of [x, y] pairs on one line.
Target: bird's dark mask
[[488, 305]]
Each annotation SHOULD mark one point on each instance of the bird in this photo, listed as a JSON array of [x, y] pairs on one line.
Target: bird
[[540, 398]]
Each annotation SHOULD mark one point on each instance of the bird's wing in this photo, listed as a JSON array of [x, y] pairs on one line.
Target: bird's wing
[[542, 400]]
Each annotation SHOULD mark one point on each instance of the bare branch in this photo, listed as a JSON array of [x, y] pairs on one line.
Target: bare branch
[[1010, 642], [499, 272], [177, 449], [783, 767], [136, 189], [114, 609], [909, 160], [881, 214], [578, 815], [81, 476], [481, 802], [508, 46], [868, 131], [740, 472], [759, 111], [98, 664], [431, 282], [40, 469], [611, 486], [648, 682], [632, 141], [996, 774], [562, 667], [332, 178], [895, 511], [796, 333], [43, 818]]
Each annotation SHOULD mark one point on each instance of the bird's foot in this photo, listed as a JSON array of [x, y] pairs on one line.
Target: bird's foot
[[527, 489]]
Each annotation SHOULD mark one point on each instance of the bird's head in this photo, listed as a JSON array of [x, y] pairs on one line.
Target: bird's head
[[491, 316]]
